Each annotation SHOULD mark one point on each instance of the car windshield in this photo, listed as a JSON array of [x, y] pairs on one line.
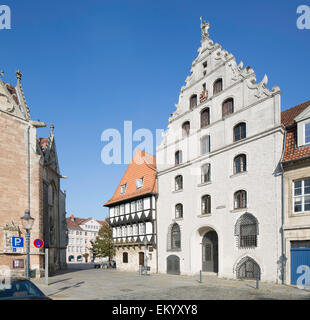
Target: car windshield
[[22, 289]]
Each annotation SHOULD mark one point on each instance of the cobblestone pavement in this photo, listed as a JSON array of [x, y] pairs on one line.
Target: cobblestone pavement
[[81, 283]]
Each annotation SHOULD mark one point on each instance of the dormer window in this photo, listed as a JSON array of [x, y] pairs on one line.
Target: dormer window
[[307, 133], [139, 183], [123, 188]]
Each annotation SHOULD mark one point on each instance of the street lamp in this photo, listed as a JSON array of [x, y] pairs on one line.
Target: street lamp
[[27, 223], [145, 257]]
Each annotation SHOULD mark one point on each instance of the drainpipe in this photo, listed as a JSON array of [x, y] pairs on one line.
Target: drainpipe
[[283, 269]]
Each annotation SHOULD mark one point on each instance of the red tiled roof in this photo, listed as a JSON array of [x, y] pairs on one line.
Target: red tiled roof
[[143, 165], [292, 151], [74, 223], [288, 116]]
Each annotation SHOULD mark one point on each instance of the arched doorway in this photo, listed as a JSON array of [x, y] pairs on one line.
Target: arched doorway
[[173, 265], [141, 258], [210, 252]]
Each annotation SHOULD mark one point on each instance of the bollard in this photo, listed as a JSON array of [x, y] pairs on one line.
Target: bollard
[[140, 270], [257, 283], [200, 277]]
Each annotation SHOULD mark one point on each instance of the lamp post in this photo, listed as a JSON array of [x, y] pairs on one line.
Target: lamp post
[[27, 223], [145, 257]]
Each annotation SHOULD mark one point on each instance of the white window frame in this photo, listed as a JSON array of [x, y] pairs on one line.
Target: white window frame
[[302, 196], [305, 142], [139, 183], [123, 188]]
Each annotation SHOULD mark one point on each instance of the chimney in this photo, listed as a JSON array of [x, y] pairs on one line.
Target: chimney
[[72, 218]]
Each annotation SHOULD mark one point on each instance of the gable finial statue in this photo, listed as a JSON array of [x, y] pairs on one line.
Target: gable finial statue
[[205, 26], [52, 127]]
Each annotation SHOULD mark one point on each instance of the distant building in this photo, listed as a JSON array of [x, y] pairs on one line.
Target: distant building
[[296, 165], [81, 232], [133, 215], [47, 201]]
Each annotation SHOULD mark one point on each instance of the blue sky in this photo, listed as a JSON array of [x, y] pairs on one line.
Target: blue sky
[[90, 65]]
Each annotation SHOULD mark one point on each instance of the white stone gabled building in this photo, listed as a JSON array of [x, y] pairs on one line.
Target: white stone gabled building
[[219, 183]]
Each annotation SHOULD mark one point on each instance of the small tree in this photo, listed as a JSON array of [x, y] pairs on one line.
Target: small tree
[[85, 255], [103, 244]]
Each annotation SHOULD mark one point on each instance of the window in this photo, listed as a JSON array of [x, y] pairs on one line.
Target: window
[[130, 230], [135, 229], [178, 158], [205, 118], [186, 128], [175, 237], [178, 183], [122, 210], [228, 107], [125, 257], [139, 205], [247, 268], [141, 228], [193, 102], [205, 145], [239, 132], [246, 229], [217, 86], [205, 173], [307, 133], [117, 211], [301, 196], [123, 188], [206, 205], [179, 211], [240, 200], [133, 206], [240, 164], [139, 183]]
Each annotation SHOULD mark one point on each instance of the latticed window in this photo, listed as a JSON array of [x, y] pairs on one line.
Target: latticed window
[[178, 158], [246, 229], [193, 101], [248, 269], [206, 173], [206, 204], [175, 237], [205, 118], [139, 205], [240, 199], [240, 164], [178, 183], [228, 107], [179, 211], [217, 86], [186, 128], [302, 196], [239, 132], [125, 257], [133, 206]]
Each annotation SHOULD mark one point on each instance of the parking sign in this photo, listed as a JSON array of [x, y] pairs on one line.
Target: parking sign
[[17, 242]]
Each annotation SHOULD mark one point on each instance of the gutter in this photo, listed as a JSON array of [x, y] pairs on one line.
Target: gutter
[[283, 213]]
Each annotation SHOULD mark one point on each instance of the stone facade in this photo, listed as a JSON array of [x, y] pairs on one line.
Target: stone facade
[[230, 208], [14, 125]]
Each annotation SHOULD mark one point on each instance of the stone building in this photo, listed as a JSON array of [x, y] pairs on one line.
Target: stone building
[[81, 232], [219, 179], [133, 215], [296, 188], [47, 201]]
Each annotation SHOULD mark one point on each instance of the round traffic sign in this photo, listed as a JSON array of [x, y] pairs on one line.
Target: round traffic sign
[[38, 243]]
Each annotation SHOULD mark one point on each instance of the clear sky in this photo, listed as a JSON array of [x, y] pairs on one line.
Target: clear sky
[[90, 65]]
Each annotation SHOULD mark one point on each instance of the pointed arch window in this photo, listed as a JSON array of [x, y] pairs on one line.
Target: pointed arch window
[[246, 229], [179, 211], [239, 132], [240, 164], [248, 269], [186, 127], [206, 205], [205, 173], [217, 86], [193, 101], [178, 183], [175, 237], [227, 107], [205, 118], [178, 158], [240, 199]]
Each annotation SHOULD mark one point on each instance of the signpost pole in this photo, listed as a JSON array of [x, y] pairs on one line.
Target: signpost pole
[[46, 266]]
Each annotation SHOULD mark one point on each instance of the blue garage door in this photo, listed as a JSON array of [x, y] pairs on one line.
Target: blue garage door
[[300, 256]]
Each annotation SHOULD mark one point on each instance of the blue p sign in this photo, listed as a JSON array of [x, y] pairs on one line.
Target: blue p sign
[[17, 242]]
